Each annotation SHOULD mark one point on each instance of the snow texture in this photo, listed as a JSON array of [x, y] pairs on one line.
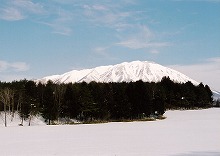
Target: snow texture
[[124, 72], [15, 120], [191, 133], [216, 95]]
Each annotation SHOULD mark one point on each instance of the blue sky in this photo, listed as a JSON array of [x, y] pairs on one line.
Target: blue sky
[[46, 37]]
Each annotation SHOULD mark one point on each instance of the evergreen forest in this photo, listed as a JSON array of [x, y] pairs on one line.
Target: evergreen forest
[[100, 101]]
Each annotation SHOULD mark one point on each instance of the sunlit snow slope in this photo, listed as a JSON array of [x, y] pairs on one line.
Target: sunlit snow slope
[[124, 72]]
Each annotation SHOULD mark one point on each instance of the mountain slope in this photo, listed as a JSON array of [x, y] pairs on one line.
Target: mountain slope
[[124, 72], [216, 95]]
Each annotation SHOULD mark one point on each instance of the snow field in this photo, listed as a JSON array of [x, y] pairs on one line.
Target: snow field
[[191, 133]]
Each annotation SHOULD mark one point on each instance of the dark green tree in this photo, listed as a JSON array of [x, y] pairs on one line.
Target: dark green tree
[[49, 110]]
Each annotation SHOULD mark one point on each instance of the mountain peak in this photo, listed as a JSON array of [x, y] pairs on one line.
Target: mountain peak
[[124, 72]]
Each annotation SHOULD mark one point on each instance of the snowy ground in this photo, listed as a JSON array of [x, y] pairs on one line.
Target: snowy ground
[[191, 133]]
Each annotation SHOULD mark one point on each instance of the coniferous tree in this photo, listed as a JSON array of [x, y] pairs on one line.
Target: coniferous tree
[[49, 108], [102, 101], [70, 106], [88, 106], [121, 107], [209, 92]]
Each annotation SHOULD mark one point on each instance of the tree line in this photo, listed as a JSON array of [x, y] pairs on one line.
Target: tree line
[[100, 101]]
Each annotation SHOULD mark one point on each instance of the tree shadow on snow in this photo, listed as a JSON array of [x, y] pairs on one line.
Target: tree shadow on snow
[[199, 154]]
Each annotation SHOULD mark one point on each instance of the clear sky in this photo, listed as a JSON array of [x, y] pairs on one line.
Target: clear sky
[[46, 37]]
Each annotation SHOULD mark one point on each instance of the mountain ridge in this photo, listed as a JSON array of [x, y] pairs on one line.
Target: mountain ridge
[[124, 72]]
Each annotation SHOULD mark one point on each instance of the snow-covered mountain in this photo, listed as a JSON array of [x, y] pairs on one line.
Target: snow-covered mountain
[[216, 95], [124, 72]]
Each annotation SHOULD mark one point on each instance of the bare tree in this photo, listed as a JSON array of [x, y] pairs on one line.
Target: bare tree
[[7, 98], [19, 104], [33, 112], [12, 93]]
